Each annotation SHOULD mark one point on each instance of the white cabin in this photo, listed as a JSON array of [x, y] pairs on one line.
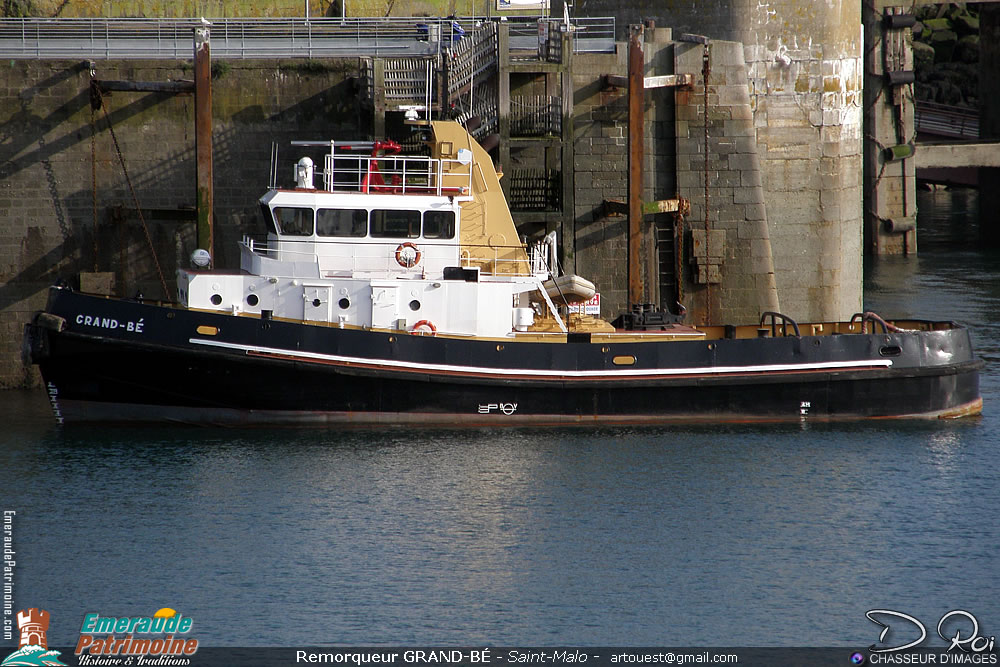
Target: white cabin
[[401, 243]]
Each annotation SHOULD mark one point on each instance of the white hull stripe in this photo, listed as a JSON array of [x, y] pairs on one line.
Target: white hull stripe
[[528, 372]]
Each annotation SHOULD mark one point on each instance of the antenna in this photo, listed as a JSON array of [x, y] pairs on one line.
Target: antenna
[[273, 176]]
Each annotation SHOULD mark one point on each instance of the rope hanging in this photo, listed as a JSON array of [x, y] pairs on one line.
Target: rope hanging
[[96, 99]]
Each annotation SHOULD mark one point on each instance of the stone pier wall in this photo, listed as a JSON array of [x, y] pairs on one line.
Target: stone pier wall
[[731, 254], [729, 279], [47, 182], [804, 76], [784, 172]]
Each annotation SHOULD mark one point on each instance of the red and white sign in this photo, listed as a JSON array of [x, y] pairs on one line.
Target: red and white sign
[[590, 307]]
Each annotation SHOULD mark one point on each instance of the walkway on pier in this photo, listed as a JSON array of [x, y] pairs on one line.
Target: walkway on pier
[[97, 39]]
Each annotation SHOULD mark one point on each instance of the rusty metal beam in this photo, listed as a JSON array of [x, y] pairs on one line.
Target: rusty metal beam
[[617, 207], [664, 81], [679, 205], [668, 81], [635, 156], [203, 137], [173, 87]]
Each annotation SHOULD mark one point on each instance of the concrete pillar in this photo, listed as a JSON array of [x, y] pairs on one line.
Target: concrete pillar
[[806, 65]]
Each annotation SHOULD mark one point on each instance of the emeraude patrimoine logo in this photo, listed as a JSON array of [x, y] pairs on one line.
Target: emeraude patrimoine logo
[[164, 634]]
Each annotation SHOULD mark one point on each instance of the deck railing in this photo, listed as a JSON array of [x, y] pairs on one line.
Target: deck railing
[[408, 174]]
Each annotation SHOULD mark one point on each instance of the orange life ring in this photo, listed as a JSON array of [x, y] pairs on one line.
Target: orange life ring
[[424, 323], [404, 261]]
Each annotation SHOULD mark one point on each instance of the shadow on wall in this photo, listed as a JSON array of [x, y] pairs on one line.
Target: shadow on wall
[[45, 156], [62, 248]]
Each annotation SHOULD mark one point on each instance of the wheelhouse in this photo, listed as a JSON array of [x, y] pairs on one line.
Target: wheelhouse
[[363, 235]]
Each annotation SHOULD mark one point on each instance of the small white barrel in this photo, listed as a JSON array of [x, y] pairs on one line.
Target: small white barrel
[[523, 318]]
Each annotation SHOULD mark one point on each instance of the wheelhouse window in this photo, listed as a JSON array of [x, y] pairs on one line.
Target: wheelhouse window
[[265, 211], [439, 224], [342, 222], [395, 224], [293, 220]]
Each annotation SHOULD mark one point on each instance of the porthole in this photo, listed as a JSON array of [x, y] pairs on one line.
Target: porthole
[[216, 299], [414, 305], [252, 299], [344, 303], [316, 303], [623, 360]]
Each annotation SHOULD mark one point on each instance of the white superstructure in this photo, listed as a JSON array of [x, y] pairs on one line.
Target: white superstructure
[[416, 244]]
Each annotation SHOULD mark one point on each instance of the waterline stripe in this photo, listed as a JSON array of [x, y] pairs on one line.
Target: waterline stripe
[[515, 372]]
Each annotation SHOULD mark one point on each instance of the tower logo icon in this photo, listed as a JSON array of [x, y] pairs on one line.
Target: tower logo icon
[[33, 624], [33, 647]]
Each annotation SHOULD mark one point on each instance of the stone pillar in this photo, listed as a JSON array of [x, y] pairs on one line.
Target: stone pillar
[[729, 274], [805, 65]]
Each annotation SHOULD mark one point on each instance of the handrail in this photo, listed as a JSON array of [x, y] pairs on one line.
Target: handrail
[[785, 321], [384, 174], [242, 38], [869, 316]]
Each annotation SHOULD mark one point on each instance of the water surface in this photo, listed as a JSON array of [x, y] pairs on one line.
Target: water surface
[[711, 535]]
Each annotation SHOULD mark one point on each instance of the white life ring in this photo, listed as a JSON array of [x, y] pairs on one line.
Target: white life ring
[[407, 255], [427, 325]]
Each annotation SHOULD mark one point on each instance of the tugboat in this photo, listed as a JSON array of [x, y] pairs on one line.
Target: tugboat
[[396, 291]]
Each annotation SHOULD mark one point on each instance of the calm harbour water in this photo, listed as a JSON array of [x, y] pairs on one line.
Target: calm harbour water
[[681, 536]]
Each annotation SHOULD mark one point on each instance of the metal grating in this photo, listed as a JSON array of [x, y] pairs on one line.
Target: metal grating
[[535, 115], [535, 190]]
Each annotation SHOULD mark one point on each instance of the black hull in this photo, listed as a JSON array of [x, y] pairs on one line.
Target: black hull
[[146, 363]]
